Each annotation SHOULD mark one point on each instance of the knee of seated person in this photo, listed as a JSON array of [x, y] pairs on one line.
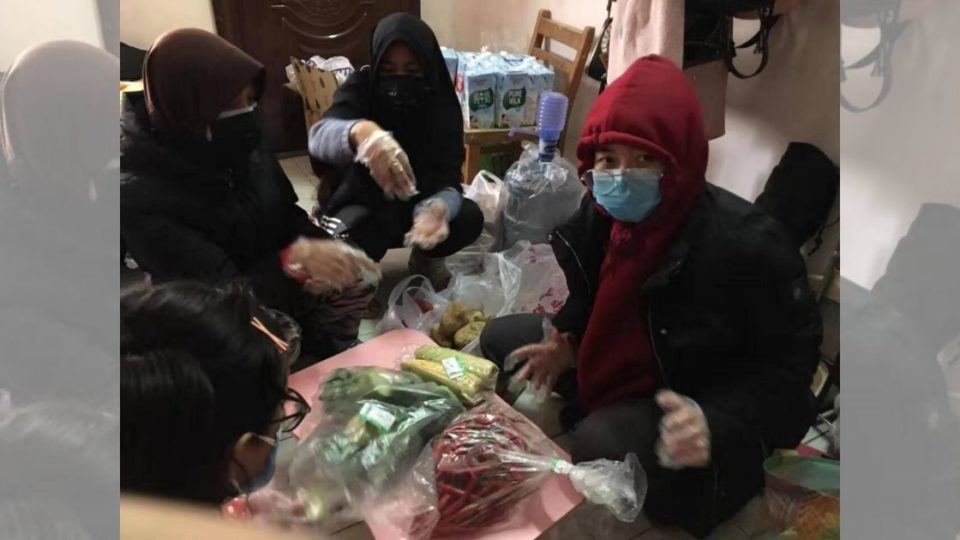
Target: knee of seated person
[[470, 218], [488, 341], [596, 438]]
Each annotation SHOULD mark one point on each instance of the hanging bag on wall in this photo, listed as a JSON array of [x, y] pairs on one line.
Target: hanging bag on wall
[[887, 13], [708, 32], [597, 68]]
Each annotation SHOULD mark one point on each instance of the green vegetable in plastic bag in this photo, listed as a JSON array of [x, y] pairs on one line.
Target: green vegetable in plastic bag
[[376, 423]]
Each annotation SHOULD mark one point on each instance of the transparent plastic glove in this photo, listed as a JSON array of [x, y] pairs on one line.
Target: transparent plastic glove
[[546, 361], [618, 486], [429, 225], [328, 265], [388, 165], [684, 434]]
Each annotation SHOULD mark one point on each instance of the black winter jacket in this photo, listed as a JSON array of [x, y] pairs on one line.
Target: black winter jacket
[[733, 323], [184, 219]]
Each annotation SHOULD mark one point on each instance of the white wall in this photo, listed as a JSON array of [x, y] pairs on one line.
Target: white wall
[[904, 152], [142, 21], [24, 24], [508, 25], [794, 99]]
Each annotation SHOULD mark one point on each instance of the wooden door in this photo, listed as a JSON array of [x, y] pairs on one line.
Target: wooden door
[[274, 30]]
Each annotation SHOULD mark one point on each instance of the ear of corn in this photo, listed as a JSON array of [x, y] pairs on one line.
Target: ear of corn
[[482, 368], [467, 386]]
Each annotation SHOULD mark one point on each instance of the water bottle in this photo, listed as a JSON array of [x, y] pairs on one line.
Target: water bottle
[[551, 118]]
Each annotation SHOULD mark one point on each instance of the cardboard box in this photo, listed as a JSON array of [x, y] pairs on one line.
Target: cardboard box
[[316, 87]]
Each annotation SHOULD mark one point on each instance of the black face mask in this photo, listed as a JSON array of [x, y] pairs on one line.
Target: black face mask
[[235, 137], [402, 93]]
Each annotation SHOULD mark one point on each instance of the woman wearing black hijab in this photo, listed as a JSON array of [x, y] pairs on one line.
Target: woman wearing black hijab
[[400, 120], [202, 197]]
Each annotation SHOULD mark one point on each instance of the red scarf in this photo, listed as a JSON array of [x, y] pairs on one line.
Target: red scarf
[[651, 107]]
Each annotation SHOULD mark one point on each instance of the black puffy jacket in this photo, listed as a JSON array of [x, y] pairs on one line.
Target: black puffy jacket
[[184, 219], [733, 323]]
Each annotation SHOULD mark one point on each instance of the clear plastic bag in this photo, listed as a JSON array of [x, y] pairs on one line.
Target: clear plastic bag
[[413, 304], [470, 377], [376, 422], [618, 486], [538, 197], [405, 511], [490, 459], [486, 190], [409, 510], [493, 290]]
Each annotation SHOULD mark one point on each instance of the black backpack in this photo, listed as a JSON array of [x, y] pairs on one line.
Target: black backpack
[[801, 191]]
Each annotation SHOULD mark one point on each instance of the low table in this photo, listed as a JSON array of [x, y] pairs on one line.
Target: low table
[[555, 499]]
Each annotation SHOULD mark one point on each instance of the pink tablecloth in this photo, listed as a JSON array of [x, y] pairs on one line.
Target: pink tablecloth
[[554, 500]]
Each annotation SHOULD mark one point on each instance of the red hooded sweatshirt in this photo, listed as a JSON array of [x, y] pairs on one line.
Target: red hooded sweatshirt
[[650, 107]]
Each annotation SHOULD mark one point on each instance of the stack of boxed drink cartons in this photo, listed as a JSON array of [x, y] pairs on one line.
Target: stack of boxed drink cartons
[[498, 90]]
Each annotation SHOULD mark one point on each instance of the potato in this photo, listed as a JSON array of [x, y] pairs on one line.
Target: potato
[[476, 316], [439, 338], [453, 319], [468, 333]]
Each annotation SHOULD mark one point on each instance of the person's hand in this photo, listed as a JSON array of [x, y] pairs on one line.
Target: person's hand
[[386, 160], [429, 226], [328, 265], [684, 433], [547, 360]]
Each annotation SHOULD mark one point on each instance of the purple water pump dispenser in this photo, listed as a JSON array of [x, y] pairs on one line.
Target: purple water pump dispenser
[[551, 118]]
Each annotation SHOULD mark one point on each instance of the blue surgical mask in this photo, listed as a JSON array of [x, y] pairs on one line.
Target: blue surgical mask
[[266, 473], [627, 194]]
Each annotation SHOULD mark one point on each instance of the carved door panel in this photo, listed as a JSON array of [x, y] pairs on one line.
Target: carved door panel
[[273, 31]]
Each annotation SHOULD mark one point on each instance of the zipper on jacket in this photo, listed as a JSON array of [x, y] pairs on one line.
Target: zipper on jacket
[[576, 258], [653, 346]]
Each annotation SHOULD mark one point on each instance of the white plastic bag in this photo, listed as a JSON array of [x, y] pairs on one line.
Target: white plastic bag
[[493, 289], [413, 304], [486, 190], [538, 197], [543, 286]]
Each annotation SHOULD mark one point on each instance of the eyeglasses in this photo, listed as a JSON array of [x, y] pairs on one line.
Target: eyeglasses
[[292, 421], [602, 175]]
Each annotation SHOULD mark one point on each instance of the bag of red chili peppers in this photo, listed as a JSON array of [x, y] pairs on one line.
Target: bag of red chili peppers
[[490, 459]]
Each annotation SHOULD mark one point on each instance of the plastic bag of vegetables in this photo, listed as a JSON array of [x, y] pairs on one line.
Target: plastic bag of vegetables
[[469, 377], [490, 459], [376, 423]]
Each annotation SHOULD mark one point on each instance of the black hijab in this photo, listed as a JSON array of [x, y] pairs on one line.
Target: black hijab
[[433, 136]]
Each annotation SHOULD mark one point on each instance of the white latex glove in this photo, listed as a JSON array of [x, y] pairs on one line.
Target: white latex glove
[[429, 226], [329, 265], [684, 433], [388, 165]]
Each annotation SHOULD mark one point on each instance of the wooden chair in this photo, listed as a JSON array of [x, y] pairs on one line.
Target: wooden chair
[[569, 71]]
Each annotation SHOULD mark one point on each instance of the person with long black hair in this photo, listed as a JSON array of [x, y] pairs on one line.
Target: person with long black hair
[[400, 121], [203, 390]]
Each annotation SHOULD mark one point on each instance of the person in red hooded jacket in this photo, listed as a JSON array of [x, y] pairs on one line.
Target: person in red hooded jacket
[[690, 336]]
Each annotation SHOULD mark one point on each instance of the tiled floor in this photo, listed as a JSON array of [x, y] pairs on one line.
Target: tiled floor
[[585, 522]]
